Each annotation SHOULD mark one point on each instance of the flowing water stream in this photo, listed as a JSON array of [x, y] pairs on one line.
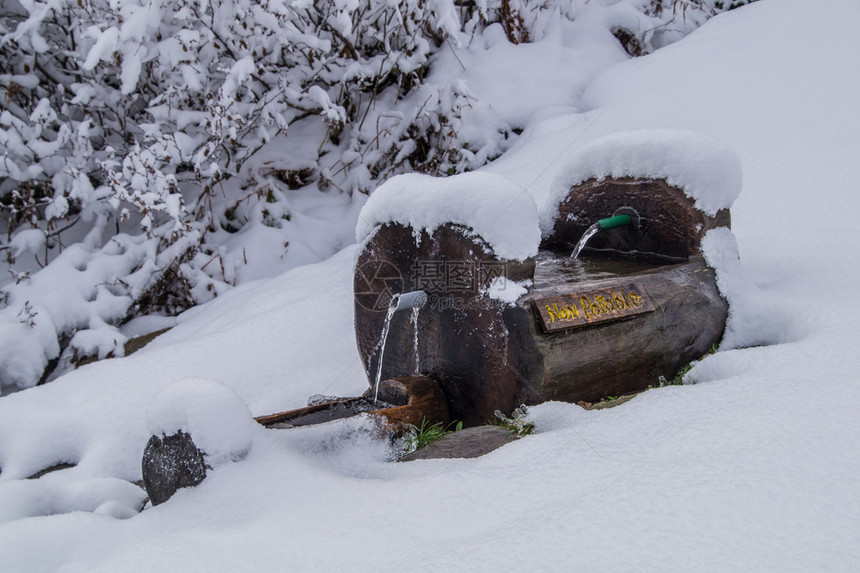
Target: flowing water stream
[[415, 311], [416, 300], [590, 232], [392, 308]]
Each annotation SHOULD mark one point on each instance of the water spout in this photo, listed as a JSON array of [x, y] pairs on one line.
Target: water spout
[[601, 225], [415, 299], [615, 221]]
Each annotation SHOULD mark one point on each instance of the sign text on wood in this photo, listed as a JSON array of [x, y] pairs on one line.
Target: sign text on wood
[[591, 307]]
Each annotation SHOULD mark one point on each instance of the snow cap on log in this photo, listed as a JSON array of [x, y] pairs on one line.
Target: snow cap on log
[[708, 171], [496, 209]]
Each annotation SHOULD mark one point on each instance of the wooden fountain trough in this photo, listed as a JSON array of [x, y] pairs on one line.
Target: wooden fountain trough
[[641, 304]]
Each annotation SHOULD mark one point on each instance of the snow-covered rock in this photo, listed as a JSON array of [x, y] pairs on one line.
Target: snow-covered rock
[[214, 416]]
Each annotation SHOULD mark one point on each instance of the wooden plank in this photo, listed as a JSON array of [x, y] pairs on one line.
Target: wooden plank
[[584, 308]]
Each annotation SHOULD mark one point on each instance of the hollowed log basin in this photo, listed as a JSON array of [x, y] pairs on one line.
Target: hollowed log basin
[[640, 303], [667, 226], [465, 342]]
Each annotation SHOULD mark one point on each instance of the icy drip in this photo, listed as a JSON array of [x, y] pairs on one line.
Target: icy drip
[[590, 232], [392, 308], [415, 311]]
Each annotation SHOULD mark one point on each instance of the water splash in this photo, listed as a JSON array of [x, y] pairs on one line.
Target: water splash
[[590, 232], [392, 308]]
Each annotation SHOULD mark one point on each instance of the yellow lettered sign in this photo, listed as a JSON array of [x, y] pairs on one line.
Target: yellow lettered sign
[[591, 307]]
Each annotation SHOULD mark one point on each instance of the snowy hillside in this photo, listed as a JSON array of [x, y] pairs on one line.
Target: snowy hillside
[[752, 468]]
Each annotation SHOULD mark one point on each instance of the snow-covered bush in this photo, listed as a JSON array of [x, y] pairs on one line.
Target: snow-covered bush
[[151, 139]]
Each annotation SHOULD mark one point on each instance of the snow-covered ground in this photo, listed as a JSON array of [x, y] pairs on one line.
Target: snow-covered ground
[[753, 468]]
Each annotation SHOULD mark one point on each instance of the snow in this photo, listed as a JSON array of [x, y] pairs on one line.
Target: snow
[[755, 318], [41, 310], [708, 171], [32, 240], [506, 290], [143, 325], [231, 341], [52, 494], [752, 468], [104, 46], [492, 207], [43, 113], [215, 417]]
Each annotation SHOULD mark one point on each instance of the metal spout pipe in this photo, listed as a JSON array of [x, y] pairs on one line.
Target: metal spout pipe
[[409, 300]]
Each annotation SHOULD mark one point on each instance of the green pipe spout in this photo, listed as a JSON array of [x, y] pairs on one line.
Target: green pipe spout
[[613, 222]]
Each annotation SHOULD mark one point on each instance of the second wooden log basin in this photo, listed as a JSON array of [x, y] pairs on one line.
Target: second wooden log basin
[[632, 328], [582, 331]]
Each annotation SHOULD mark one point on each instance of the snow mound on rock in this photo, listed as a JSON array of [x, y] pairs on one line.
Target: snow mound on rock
[[495, 208], [708, 171], [215, 417]]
